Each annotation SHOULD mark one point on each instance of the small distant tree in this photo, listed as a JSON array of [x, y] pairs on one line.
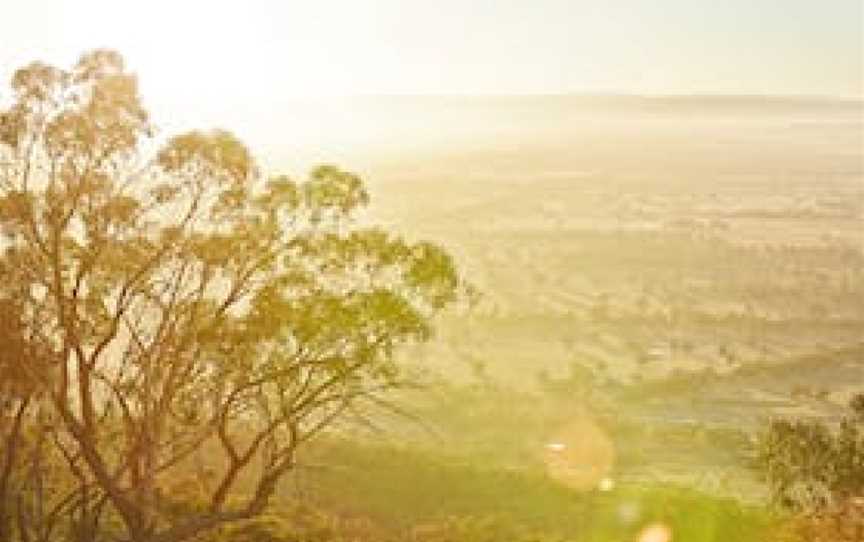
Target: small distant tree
[[811, 465], [167, 303]]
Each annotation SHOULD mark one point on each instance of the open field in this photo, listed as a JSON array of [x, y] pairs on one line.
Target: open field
[[699, 264]]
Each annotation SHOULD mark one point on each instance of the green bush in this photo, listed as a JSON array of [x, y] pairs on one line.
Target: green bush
[[812, 465]]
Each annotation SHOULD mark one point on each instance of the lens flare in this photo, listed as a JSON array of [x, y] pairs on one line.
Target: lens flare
[[581, 456], [629, 513], [655, 533]]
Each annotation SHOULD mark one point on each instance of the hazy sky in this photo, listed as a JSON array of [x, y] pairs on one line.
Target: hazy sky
[[273, 48]]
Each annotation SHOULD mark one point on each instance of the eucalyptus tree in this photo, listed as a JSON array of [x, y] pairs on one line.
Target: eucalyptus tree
[[174, 303]]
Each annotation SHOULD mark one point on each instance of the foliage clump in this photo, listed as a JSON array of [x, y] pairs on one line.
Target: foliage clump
[[816, 470]]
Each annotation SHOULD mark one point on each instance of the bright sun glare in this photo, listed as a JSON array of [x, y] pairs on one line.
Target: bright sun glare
[[199, 61], [217, 52]]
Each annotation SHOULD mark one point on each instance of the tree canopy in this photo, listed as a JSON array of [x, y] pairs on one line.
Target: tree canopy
[[161, 301]]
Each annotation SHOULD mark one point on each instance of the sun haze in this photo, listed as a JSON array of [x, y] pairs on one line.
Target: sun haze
[[243, 62], [231, 50], [384, 270]]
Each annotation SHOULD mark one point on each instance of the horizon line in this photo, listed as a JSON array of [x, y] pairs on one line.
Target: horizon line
[[581, 94]]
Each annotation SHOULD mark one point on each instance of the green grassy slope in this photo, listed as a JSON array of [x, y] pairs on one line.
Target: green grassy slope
[[409, 491]]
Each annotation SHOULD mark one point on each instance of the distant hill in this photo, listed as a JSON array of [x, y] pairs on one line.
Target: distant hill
[[368, 132]]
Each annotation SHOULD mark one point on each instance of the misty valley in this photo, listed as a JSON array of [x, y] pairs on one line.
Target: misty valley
[[563, 318]]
